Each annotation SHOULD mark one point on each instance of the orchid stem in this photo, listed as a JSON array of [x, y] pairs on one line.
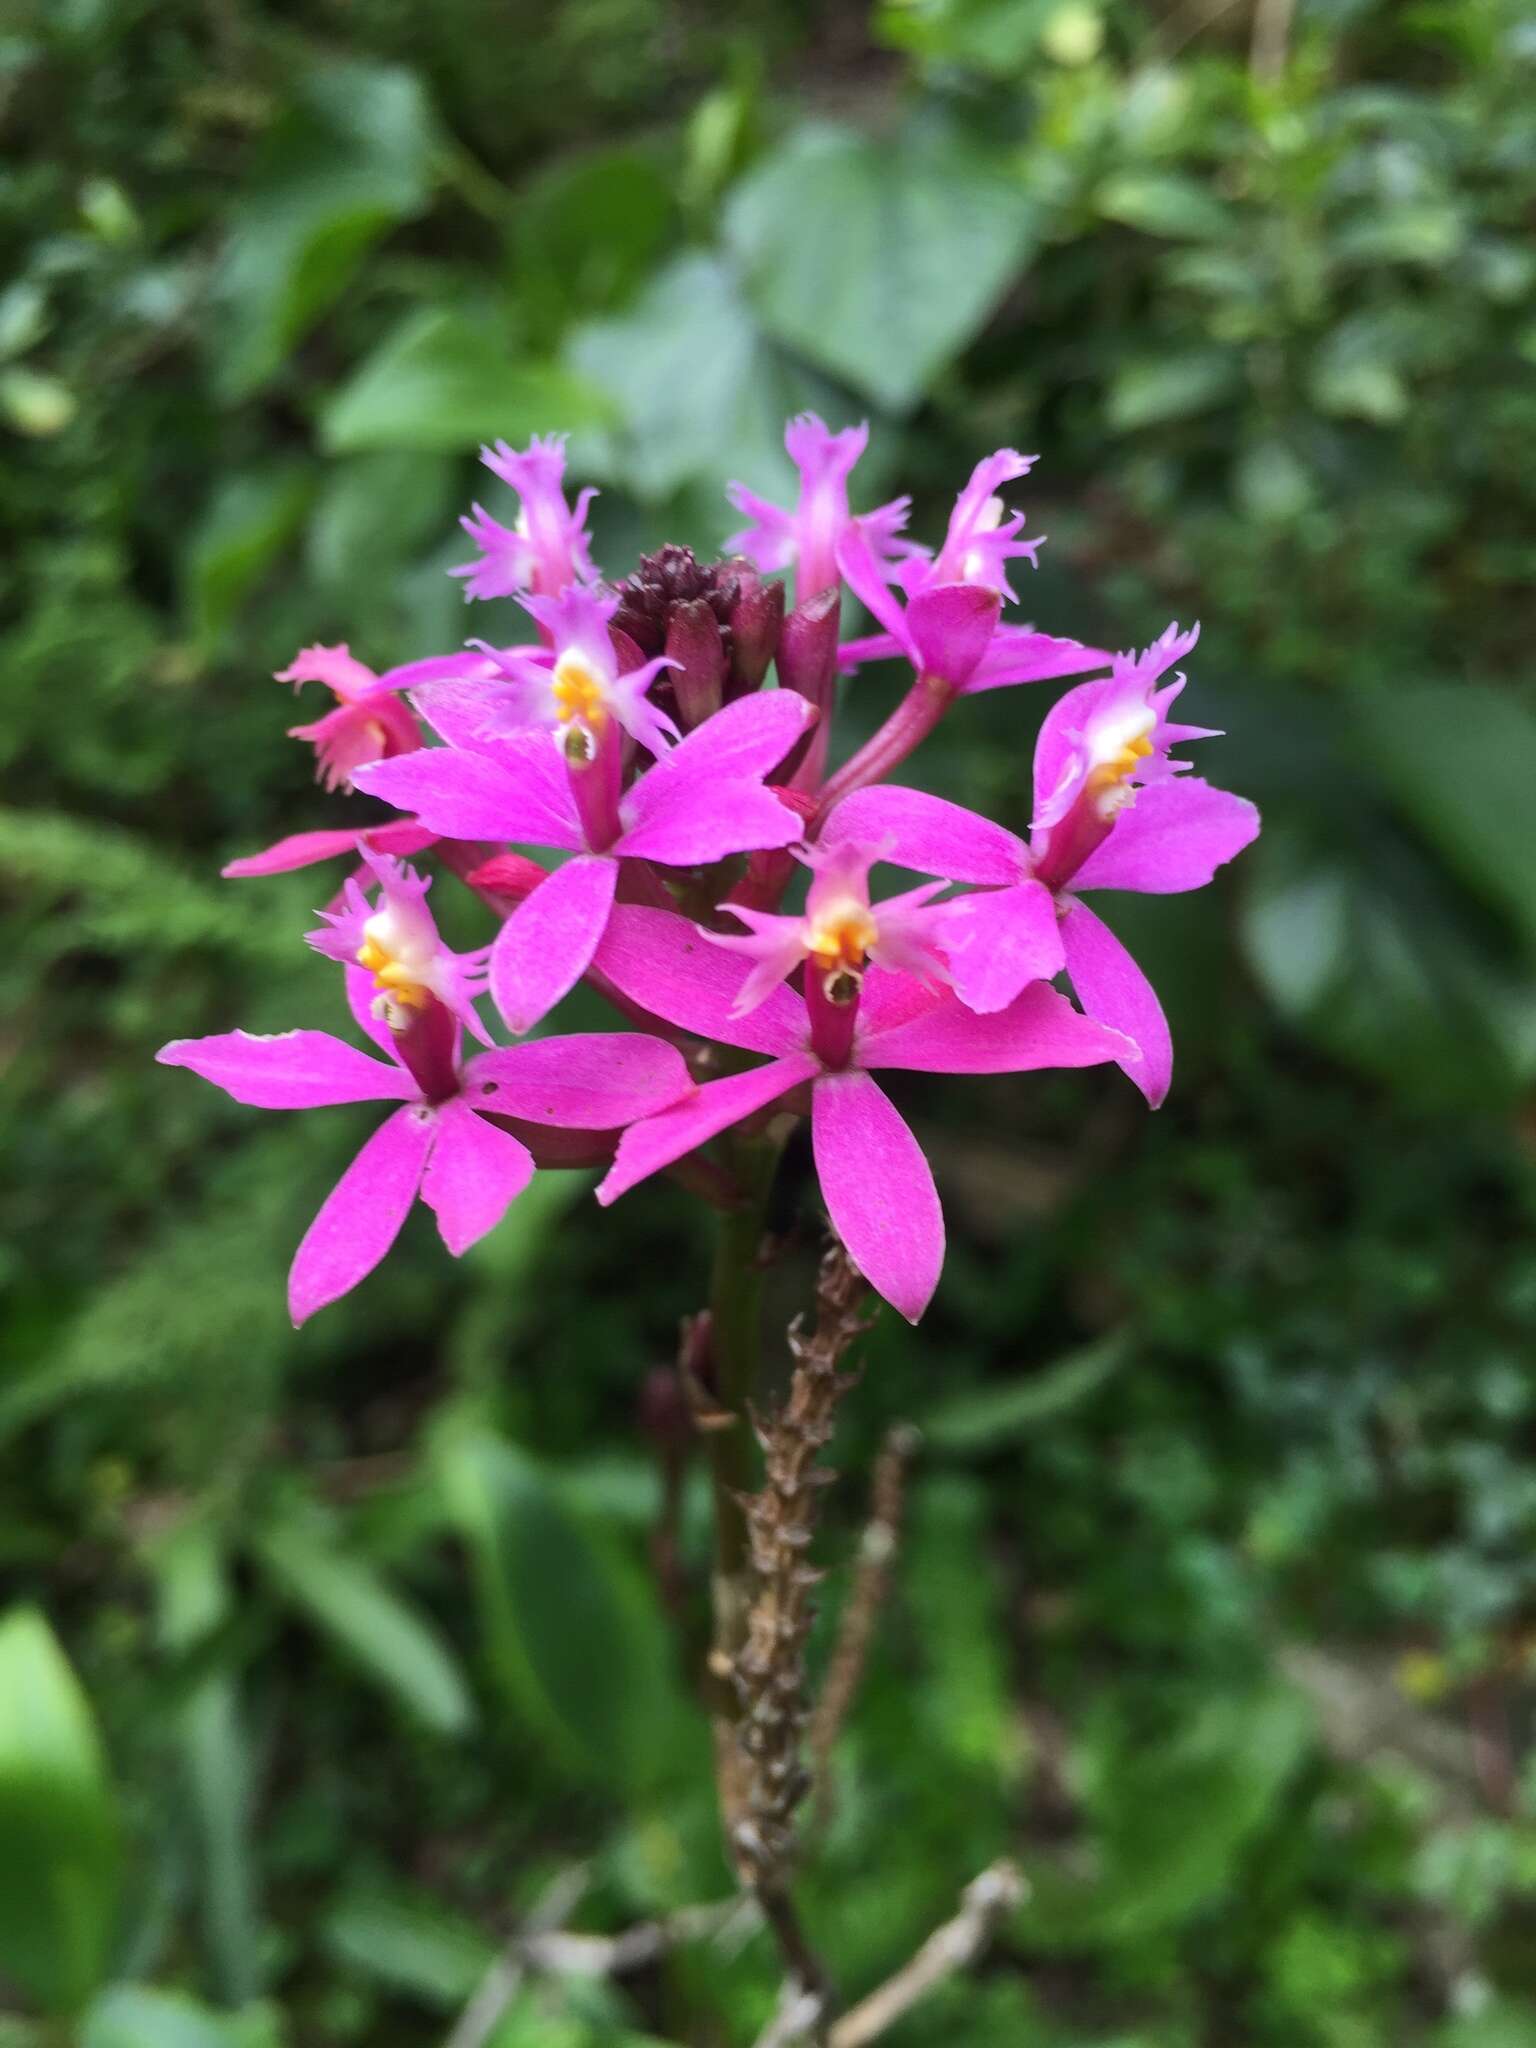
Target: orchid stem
[[907, 727]]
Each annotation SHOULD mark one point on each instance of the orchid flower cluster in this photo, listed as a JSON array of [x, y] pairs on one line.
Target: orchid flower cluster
[[636, 804]]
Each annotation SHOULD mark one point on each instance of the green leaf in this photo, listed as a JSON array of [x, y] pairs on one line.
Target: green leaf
[[1460, 761], [352, 156], [251, 520], [1271, 484], [920, 239], [351, 1603], [955, 1603], [1373, 959], [1171, 387], [1355, 372], [58, 1823], [444, 381], [995, 36], [1504, 2024], [572, 1628], [1170, 1818], [588, 230], [132, 2016], [414, 1945], [699, 395], [375, 511], [214, 1759], [1161, 203], [991, 1416]]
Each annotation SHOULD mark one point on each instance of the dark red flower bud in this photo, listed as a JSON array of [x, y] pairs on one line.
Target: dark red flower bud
[[695, 644], [808, 663], [757, 618]]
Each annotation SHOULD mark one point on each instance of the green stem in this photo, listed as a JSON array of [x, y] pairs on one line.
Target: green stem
[[735, 1308]]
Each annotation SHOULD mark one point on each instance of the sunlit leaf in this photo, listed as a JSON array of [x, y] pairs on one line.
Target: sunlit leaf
[[700, 395], [133, 2016], [348, 159], [58, 1823], [921, 239], [446, 381]]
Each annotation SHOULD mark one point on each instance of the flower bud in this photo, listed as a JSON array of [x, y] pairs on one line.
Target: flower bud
[[511, 875], [808, 663], [695, 644], [808, 647], [756, 620]]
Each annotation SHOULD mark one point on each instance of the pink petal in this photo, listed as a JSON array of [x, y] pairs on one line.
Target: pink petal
[[1175, 836], [878, 1190], [873, 647], [1040, 1028], [1111, 987], [999, 940], [586, 1081], [689, 820], [475, 1174], [519, 792], [749, 737], [647, 1147], [951, 627], [471, 714], [308, 849], [467, 663], [865, 578], [294, 1070], [889, 999], [658, 960], [930, 835], [1017, 655], [546, 945], [361, 1216], [299, 850]]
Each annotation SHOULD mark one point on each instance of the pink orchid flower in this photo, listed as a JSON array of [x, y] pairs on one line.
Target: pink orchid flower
[[950, 627], [547, 548], [808, 538], [410, 995], [983, 535], [1112, 811], [369, 722], [704, 801], [874, 1178], [574, 686], [397, 940], [839, 927]]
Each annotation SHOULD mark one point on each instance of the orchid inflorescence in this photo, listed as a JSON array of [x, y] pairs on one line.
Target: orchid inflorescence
[[637, 738]]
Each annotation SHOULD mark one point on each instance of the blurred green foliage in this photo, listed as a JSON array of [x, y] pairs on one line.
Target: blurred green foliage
[[1217, 1597]]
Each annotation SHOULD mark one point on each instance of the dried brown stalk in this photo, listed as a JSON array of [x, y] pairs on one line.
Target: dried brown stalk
[[770, 1675], [861, 1610], [984, 1904]]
